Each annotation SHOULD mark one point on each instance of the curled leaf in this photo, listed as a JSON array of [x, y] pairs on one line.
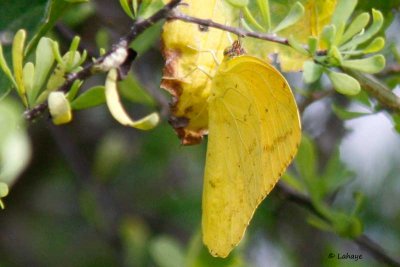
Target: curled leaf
[[117, 110], [17, 59], [59, 107]]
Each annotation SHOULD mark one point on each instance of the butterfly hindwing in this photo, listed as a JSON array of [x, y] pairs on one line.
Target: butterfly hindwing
[[254, 131]]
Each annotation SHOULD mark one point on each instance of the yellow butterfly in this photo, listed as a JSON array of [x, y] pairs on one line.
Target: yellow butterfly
[[254, 133]]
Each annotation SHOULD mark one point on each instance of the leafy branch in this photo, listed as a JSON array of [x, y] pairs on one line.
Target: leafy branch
[[89, 69], [363, 240]]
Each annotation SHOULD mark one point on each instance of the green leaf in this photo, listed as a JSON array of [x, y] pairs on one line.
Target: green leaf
[[18, 61], [147, 39], [372, 64], [135, 235], [312, 44], [344, 114], [166, 252], [5, 68], [3, 193], [297, 46], [149, 7], [238, 3], [335, 173], [92, 97], [319, 223], [72, 51], [126, 7], [306, 160], [131, 89], [250, 19], [28, 75], [368, 34], [44, 63], [293, 182], [263, 6], [358, 199], [375, 46], [3, 190], [355, 27], [312, 71], [363, 99], [343, 11], [344, 83], [54, 10], [335, 57], [396, 122], [327, 36], [347, 226], [74, 90], [295, 14]]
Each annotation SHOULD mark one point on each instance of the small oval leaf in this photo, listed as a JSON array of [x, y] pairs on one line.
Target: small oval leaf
[[92, 97], [372, 64], [312, 71], [375, 46], [344, 83], [44, 62]]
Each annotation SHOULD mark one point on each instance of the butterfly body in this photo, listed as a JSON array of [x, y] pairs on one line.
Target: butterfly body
[[254, 132]]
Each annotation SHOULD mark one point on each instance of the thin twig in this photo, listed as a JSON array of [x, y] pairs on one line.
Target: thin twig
[[363, 241], [238, 31], [137, 28]]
